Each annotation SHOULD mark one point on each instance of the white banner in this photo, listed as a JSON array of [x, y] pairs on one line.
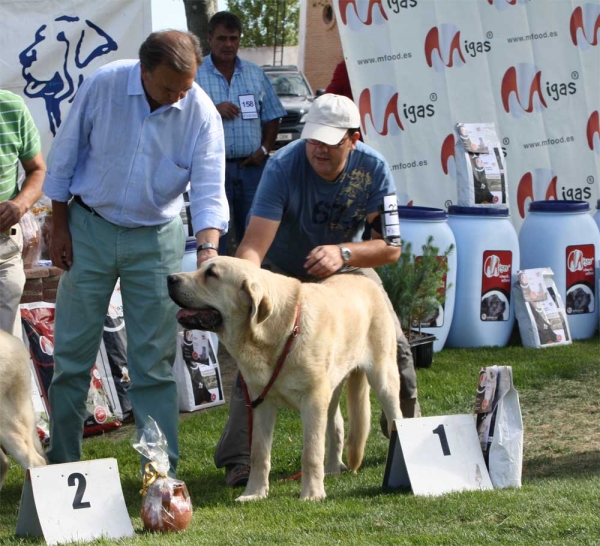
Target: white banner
[[48, 48], [531, 67]]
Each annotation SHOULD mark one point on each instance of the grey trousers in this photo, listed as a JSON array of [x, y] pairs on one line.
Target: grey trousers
[[233, 447]]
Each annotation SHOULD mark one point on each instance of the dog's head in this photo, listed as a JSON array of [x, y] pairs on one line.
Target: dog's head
[[225, 293]]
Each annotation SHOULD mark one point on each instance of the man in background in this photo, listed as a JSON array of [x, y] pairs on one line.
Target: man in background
[[138, 132], [250, 110], [315, 198], [19, 142]]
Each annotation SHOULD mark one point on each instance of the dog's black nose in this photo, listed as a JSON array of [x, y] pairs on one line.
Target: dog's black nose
[[172, 280]]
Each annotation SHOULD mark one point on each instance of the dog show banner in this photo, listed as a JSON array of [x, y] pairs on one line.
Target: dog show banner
[[531, 67], [49, 47]]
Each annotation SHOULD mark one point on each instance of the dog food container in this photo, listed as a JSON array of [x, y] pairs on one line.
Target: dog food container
[[562, 235], [487, 262], [188, 264], [417, 224]]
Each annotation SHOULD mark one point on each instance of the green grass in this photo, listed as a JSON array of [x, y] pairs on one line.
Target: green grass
[[559, 502]]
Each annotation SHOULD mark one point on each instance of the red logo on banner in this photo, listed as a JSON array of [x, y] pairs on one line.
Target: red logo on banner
[[520, 87], [593, 132], [539, 185], [445, 42], [496, 285], [447, 157], [586, 16], [380, 117], [344, 5], [581, 279]]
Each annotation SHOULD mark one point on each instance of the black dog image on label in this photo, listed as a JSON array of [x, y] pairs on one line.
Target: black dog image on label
[[578, 302], [493, 307]]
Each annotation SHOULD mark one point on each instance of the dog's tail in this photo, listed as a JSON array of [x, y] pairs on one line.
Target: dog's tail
[[359, 417]]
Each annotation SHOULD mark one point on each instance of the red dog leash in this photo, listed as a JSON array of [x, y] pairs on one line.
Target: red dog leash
[[261, 398]]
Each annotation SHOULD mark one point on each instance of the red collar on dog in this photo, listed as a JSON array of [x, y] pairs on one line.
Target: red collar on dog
[[280, 361]]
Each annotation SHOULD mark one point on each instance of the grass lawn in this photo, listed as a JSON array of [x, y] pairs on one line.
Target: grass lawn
[[559, 502]]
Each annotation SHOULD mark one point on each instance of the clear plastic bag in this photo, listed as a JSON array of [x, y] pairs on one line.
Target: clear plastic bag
[[32, 238], [166, 504]]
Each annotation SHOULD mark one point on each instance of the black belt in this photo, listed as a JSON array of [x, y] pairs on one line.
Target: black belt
[[232, 159], [80, 202]]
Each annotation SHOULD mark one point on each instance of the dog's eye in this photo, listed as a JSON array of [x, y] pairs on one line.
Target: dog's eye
[[210, 272]]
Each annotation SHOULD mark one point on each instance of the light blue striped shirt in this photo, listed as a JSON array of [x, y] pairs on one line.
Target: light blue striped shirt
[[242, 136], [132, 165]]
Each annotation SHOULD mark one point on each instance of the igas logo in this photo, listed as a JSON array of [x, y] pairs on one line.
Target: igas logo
[[448, 156], [576, 261], [539, 185], [593, 132], [503, 4], [443, 47], [585, 26], [521, 90], [380, 106], [493, 267], [356, 14]]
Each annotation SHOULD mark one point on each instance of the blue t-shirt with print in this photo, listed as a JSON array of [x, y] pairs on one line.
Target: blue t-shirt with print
[[314, 211]]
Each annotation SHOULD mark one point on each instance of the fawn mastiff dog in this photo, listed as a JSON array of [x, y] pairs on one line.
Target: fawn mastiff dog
[[18, 433], [344, 332]]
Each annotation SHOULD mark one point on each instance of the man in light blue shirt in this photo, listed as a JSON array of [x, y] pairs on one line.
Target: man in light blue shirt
[[250, 110], [137, 134]]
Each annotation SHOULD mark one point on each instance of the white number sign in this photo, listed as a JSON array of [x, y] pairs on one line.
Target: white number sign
[[436, 455], [74, 502]]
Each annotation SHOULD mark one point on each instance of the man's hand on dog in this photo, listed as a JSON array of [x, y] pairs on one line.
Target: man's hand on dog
[[324, 261]]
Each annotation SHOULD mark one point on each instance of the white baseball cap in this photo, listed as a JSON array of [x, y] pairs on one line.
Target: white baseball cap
[[329, 117]]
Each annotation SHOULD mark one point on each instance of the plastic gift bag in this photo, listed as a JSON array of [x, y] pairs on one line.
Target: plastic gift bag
[[32, 240], [166, 504]]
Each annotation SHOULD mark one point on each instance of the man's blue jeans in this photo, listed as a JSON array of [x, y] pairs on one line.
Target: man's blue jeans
[[240, 187]]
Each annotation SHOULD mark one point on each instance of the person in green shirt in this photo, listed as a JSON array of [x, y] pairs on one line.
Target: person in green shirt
[[19, 142]]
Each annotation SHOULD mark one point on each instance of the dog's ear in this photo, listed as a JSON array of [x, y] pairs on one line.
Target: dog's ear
[[262, 306]]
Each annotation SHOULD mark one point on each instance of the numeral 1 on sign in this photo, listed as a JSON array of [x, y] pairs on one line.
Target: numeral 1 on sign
[[441, 432]]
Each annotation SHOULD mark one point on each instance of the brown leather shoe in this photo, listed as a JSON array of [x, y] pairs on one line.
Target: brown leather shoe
[[236, 475]]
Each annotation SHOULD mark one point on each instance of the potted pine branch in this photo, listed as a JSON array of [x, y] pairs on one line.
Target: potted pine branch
[[415, 286]]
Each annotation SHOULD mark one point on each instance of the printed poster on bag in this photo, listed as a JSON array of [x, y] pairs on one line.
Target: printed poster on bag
[[197, 371], [481, 169]]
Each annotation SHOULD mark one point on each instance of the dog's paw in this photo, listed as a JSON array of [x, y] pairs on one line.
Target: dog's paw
[[249, 498], [335, 469], [316, 496]]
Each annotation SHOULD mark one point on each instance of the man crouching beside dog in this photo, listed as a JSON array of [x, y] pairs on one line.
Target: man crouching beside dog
[[307, 221]]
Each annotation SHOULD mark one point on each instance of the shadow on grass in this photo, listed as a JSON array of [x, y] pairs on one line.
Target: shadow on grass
[[573, 465]]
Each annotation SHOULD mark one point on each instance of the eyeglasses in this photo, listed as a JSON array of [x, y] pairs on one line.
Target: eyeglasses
[[314, 142]]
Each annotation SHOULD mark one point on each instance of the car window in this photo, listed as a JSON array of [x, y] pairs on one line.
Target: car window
[[289, 84]]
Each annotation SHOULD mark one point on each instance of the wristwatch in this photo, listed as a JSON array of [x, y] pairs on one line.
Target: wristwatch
[[206, 246], [346, 253], [265, 151]]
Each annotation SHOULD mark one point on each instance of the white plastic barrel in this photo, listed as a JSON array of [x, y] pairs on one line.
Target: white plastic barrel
[[562, 235], [488, 259], [188, 263], [417, 224]]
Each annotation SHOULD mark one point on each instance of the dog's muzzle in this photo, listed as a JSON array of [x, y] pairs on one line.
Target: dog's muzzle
[[193, 319]]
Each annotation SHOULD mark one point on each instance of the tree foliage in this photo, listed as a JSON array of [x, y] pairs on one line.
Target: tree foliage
[[259, 19], [413, 284]]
